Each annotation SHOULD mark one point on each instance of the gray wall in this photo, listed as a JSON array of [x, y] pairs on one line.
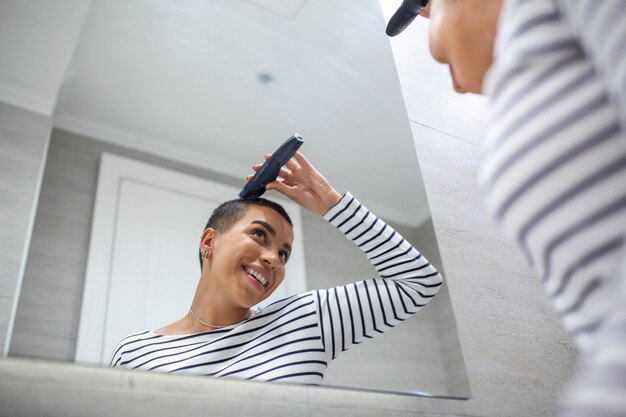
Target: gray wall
[[49, 308], [24, 137]]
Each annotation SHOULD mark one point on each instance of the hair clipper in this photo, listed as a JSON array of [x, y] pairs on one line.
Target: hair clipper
[[270, 169]]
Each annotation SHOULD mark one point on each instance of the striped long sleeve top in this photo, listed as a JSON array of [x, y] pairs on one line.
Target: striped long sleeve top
[[294, 339], [554, 172]]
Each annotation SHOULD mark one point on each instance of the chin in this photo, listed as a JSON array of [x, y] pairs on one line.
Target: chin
[[265, 297]]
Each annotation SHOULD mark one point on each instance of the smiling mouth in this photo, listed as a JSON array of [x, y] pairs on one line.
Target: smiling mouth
[[258, 276]]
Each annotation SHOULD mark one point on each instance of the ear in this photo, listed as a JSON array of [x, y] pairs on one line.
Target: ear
[[207, 239], [425, 12]]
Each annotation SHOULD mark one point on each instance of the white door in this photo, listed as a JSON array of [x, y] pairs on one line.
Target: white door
[[143, 262]]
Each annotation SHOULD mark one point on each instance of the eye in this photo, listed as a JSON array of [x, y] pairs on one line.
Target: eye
[[259, 233], [284, 256]]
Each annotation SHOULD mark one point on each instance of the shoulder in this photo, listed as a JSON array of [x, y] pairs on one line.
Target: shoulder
[[132, 341]]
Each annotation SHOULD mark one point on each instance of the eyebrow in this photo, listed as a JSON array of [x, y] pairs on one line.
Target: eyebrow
[[272, 232]]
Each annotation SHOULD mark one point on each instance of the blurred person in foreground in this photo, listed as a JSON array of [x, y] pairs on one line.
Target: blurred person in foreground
[[553, 170]]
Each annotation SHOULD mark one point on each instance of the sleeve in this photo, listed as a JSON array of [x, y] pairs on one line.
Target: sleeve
[[116, 359], [599, 388], [352, 313], [131, 341], [600, 27], [117, 356]]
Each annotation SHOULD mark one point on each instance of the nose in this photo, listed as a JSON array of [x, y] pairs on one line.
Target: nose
[[270, 259]]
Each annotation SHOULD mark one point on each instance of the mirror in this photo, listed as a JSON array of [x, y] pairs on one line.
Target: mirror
[[205, 88]]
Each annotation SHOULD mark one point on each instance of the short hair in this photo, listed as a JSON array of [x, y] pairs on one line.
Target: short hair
[[229, 213]]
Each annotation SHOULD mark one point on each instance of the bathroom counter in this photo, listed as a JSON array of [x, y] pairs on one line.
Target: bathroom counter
[[36, 388]]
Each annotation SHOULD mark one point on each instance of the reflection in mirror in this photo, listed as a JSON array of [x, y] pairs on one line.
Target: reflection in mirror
[[197, 92]]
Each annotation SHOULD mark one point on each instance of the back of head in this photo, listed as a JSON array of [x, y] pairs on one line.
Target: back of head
[[229, 212]]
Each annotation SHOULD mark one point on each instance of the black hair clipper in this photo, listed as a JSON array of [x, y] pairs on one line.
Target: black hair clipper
[[270, 169]]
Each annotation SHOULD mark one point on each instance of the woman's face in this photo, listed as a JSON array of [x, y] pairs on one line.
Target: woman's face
[[462, 34], [247, 263]]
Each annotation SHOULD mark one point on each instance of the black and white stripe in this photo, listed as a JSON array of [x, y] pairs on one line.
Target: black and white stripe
[[554, 162], [294, 339], [355, 312]]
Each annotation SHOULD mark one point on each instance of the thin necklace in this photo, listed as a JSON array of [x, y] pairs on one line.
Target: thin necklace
[[214, 326]]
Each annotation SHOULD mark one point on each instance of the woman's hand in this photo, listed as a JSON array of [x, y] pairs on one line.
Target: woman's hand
[[302, 183]]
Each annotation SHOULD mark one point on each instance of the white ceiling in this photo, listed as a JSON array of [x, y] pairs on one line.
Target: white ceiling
[[184, 80], [37, 39]]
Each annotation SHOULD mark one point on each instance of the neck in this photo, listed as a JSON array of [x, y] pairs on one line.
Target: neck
[[491, 12], [210, 306]]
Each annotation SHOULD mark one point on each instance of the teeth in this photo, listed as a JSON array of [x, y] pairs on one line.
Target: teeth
[[258, 276]]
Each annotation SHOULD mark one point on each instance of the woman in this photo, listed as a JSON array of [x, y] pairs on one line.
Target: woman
[[244, 249], [554, 160]]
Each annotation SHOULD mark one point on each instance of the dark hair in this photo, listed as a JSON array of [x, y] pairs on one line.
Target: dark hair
[[229, 213]]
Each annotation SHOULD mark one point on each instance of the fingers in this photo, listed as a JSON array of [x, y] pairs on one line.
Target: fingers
[[279, 186], [291, 163], [284, 173], [302, 160], [291, 166], [256, 167]]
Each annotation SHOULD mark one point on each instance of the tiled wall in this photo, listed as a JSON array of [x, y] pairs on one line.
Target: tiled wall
[[24, 136]]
